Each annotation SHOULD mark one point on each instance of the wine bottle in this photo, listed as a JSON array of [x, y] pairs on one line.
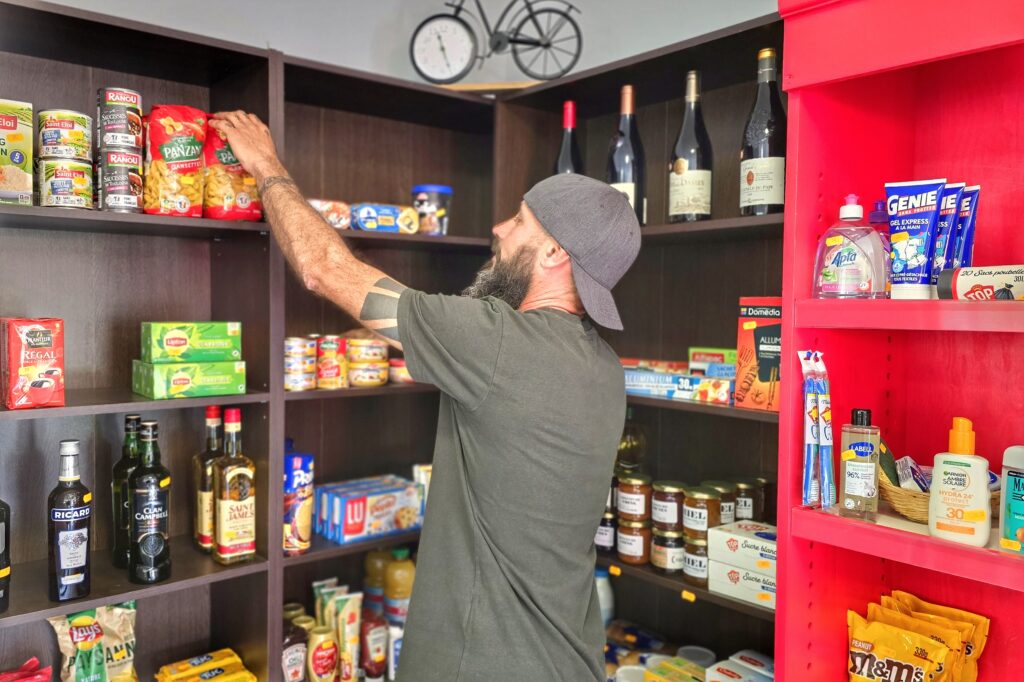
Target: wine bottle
[[689, 174], [626, 158], [763, 154], [568, 160]]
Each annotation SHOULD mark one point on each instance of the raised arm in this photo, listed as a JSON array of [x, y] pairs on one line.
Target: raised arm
[[324, 263]]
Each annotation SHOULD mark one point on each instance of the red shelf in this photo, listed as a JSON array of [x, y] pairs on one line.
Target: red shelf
[[969, 316]]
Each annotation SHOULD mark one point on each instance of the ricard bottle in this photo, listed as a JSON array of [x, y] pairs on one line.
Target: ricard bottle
[[150, 484], [69, 526], [234, 492], [121, 500]]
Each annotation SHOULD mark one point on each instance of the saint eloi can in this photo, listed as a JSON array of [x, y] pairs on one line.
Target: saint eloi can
[[64, 183], [64, 134], [299, 364], [119, 179], [331, 364]]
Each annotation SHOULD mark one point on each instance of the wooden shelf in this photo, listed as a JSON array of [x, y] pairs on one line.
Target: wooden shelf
[[705, 408], [671, 582], [416, 242], [81, 220], [946, 315], [388, 389], [86, 401], [189, 568], [755, 226], [325, 549]]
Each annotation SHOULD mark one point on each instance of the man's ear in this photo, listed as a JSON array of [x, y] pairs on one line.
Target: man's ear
[[554, 255]]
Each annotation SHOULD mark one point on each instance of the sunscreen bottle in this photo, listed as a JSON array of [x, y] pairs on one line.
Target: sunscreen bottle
[[959, 508], [1011, 516]]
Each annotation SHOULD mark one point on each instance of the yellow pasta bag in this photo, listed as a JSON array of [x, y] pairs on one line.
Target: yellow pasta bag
[[951, 668], [230, 192], [973, 648], [880, 652], [174, 174]]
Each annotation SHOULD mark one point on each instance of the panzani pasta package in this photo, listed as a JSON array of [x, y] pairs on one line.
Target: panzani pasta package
[[174, 161], [97, 644], [230, 192]]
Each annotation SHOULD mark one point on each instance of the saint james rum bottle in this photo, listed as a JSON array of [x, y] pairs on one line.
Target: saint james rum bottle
[[69, 525], [234, 493], [150, 485], [120, 495], [689, 174], [202, 482], [626, 157], [5, 556], [568, 160], [763, 154]]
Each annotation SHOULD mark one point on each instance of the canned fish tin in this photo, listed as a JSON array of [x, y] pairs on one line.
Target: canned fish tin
[[64, 183], [298, 503], [298, 347], [119, 180], [64, 134], [332, 373], [366, 374], [367, 350], [299, 382], [299, 365], [118, 118]]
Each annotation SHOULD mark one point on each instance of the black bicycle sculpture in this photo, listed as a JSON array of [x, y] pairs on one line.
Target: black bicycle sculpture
[[544, 39]]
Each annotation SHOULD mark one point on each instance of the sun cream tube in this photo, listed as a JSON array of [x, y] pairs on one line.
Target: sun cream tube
[[945, 232], [913, 209], [810, 489], [826, 465], [963, 250], [996, 283]]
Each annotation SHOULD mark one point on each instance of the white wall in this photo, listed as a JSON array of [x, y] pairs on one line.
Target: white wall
[[373, 35]]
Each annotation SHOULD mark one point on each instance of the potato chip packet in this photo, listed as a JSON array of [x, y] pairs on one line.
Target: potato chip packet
[[953, 665], [880, 652], [97, 644], [974, 647]]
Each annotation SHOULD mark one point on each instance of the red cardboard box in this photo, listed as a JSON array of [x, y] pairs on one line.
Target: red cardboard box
[[759, 353], [32, 362]]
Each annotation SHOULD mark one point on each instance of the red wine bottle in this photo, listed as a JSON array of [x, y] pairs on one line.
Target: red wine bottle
[[689, 174], [626, 158], [763, 154], [568, 160]]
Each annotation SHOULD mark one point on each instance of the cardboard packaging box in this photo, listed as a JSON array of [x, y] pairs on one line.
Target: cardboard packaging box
[[731, 671], [188, 379], [32, 362], [166, 342], [756, 661], [759, 353], [744, 544], [676, 670], [373, 510], [646, 382], [17, 131], [743, 584]]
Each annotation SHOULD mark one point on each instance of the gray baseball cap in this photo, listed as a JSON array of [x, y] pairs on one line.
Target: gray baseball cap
[[597, 227]]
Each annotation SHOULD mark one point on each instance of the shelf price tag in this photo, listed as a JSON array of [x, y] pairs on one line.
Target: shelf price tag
[[614, 570], [688, 596]]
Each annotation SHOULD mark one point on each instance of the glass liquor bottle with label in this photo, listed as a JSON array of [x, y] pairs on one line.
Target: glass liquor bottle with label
[[150, 483], [119, 492], [763, 153], [234, 492], [69, 526], [689, 175], [5, 556], [626, 159], [202, 482]]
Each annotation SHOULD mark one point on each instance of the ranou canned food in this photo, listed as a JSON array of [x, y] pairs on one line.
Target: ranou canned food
[[366, 374], [367, 350], [64, 134], [119, 180], [64, 183], [118, 118]]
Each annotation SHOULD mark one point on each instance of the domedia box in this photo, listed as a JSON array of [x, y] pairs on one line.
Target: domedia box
[[188, 379], [758, 353], [362, 510], [741, 583], [744, 544], [166, 342]]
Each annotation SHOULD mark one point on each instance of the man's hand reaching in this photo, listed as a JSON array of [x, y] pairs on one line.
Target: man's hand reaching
[[251, 143]]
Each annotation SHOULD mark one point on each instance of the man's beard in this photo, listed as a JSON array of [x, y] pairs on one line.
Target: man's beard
[[507, 280]]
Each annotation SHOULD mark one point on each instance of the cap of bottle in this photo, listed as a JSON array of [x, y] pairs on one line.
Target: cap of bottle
[[569, 114], [879, 215], [851, 210], [961, 436], [149, 429], [232, 415], [400, 553], [213, 411], [68, 448], [861, 417], [132, 422]]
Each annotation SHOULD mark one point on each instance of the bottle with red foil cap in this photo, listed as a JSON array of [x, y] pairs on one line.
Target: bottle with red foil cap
[[234, 494], [202, 482], [568, 160]]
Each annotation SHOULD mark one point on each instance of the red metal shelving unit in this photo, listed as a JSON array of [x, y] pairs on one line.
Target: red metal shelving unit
[[885, 91]]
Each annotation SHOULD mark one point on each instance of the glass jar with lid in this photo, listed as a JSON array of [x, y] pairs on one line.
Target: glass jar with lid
[[633, 542], [727, 492], [667, 504], [604, 540], [746, 500], [701, 510], [667, 550], [695, 562], [761, 502], [634, 497]]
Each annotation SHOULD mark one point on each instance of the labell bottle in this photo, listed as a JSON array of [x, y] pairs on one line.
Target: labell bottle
[[69, 525], [202, 482], [234, 492], [150, 483], [119, 492]]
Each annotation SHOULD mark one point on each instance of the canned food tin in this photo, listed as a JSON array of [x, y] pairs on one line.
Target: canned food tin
[[299, 382], [330, 346], [332, 373], [64, 183], [64, 134], [119, 180], [298, 347], [118, 118], [367, 374], [398, 373], [367, 350], [300, 365], [298, 503]]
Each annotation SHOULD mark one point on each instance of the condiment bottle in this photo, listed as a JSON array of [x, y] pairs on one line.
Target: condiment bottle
[[398, 580], [322, 655], [858, 479], [959, 507], [375, 565], [373, 646], [294, 650]]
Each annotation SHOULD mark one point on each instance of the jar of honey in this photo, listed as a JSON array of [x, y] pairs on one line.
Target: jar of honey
[[634, 497], [633, 541], [667, 551], [746, 500], [695, 562], [702, 510], [667, 504], [727, 493]]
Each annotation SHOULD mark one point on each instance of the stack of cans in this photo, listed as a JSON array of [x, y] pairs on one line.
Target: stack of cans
[[64, 163], [119, 149], [300, 363]]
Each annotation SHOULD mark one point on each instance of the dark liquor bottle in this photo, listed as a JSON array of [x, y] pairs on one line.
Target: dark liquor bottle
[[150, 483], [763, 154], [5, 556], [69, 526], [119, 492], [689, 174], [626, 157], [568, 160], [234, 493], [202, 482]]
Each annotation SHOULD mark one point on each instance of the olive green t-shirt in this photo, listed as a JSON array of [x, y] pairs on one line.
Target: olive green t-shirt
[[532, 409]]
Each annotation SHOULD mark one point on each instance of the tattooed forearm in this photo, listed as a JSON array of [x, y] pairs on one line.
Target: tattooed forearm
[[380, 309]]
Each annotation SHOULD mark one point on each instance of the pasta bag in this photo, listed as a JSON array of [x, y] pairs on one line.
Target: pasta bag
[[230, 191], [174, 161]]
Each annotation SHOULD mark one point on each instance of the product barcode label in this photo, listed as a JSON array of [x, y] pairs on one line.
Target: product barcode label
[[632, 503], [665, 512], [631, 545], [695, 518]]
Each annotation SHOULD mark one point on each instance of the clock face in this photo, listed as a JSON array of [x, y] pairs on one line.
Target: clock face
[[443, 49]]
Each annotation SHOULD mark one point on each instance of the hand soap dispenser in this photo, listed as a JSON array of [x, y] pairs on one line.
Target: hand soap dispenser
[[851, 260], [960, 507]]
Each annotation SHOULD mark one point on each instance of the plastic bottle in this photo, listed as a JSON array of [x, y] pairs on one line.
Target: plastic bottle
[[959, 508], [375, 565], [398, 580], [879, 221], [851, 257], [605, 595], [1011, 516], [859, 467]]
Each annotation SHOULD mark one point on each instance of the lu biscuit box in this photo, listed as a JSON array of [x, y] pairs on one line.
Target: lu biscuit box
[[384, 509], [645, 382], [16, 135], [740, 583], [758, 353], [165, 342], [188, 379], [744, 544]]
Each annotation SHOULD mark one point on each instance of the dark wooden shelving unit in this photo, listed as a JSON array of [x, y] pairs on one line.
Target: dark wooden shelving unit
[[325, 549], [705, 408], [92, 401], [717, 228], [356, 393]]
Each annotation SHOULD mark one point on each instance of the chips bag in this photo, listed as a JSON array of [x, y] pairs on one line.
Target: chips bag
[[97, 645], [973, 648], [951, 668], [230, 192], [880, 652], [174, 161]]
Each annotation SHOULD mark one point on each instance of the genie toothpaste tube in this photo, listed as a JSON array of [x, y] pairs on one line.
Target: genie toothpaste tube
[[810, 489], [913, 209], [963, 249], [945, 232]]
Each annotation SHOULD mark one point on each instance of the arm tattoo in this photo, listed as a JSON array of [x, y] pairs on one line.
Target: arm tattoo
[[380, 308]]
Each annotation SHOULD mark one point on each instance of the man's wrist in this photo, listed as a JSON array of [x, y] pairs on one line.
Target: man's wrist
[[263, 170]]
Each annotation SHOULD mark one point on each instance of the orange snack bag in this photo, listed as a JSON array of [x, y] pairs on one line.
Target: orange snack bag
[[951, 668], [973, 648], [880, 652]]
